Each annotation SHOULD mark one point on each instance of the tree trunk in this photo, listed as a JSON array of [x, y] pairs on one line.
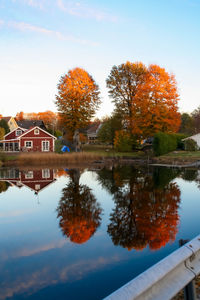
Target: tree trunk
[[76, 141]]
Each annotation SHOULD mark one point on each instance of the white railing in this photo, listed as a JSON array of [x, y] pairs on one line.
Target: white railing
[[166, 278]]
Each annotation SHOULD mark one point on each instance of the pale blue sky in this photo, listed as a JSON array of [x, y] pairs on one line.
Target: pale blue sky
[[40, 40]]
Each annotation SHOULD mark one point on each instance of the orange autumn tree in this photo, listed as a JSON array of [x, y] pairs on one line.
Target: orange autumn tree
[[78, 211], [146, 206], [147, 98], [77, 99]]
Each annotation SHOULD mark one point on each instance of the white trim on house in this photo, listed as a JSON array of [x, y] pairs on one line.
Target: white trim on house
[[29, 130], [23, 129], [44, 148], [29, 147]]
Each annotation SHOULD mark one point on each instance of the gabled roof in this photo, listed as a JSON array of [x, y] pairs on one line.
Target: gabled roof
[[23, 129], [31, 123], [27, 131], [190, 137], [94, 128]]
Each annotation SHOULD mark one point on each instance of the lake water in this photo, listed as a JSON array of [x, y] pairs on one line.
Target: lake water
[[81, 234]]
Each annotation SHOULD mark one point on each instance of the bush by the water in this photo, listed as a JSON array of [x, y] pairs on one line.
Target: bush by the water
[[190, 145], [164, 143], [123, 142]]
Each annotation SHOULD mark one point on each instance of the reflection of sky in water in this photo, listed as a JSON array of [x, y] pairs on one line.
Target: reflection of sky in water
[[38, 262]]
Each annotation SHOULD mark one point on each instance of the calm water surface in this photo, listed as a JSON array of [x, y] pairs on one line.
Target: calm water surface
[[81, 234]]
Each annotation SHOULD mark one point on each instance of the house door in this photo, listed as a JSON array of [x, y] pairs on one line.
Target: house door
[[45, 146]]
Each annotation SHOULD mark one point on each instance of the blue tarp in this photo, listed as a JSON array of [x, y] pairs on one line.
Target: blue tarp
[[65, 148]]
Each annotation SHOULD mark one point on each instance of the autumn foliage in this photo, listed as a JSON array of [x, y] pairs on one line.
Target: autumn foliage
[[78, 211], [77, 99], [147, 97], [146, 211]]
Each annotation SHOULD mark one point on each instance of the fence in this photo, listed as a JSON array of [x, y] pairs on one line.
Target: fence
[[166, 278]]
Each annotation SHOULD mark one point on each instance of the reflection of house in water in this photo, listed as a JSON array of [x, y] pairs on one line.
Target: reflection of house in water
[[36, 180]]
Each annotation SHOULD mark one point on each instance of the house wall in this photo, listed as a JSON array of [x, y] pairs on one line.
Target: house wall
[[37, 143], [12, 124], [11, 135], [196, 138]]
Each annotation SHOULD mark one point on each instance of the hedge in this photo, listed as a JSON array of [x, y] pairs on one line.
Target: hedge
[[164, 142]]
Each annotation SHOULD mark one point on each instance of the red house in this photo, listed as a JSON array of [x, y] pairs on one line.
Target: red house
[[35, 180], [34, 139]]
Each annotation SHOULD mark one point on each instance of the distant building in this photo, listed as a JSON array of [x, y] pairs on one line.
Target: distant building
[[12, 124], [34, 139], [92, 132], [195, 137]]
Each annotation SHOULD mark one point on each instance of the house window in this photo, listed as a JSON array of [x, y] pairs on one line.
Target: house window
[[28, 144], [29, 175], [36, 131], [18, 132], [37, 187], [45, 145], [45, 173]]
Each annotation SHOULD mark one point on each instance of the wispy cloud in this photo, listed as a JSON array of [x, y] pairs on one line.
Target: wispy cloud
[[79, 9], [1, 22], [53, 33], [33, 3]]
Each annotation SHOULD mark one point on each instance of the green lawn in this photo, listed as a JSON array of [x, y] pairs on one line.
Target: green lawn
[[183, 154], [108, 151]]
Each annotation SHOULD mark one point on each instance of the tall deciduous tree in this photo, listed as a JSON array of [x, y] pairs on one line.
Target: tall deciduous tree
[[187, 124], [4, 125], [146, 97], [107, 131], [77, 99], [2, 133], [196, 119]]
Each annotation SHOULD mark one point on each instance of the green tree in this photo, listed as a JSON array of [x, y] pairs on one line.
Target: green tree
[[2, 133], [4, 125], [107, 131], [196, 119], [187, 124]]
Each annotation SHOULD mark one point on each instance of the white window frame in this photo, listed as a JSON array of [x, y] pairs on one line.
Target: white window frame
[[18, 132], [45, 173], [44, 149], [29, 175], [37, 187], [29, 147], [36, 131]]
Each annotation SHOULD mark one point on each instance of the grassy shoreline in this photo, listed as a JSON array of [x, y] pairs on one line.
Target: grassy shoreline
[[97, 157]]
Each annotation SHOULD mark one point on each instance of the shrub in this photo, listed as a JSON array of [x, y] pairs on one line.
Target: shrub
[[190, 145], [58, 146], [180, 143], [123, 141], [164, 143]]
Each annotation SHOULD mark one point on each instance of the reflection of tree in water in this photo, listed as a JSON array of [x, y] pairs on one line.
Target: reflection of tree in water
[[3, 186], [190, 174], [78, 211], [145, 212]]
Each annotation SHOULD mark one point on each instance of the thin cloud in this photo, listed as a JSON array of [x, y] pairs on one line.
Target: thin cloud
[[80, 10], [33, 3], [1, 22], [21, 26]]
